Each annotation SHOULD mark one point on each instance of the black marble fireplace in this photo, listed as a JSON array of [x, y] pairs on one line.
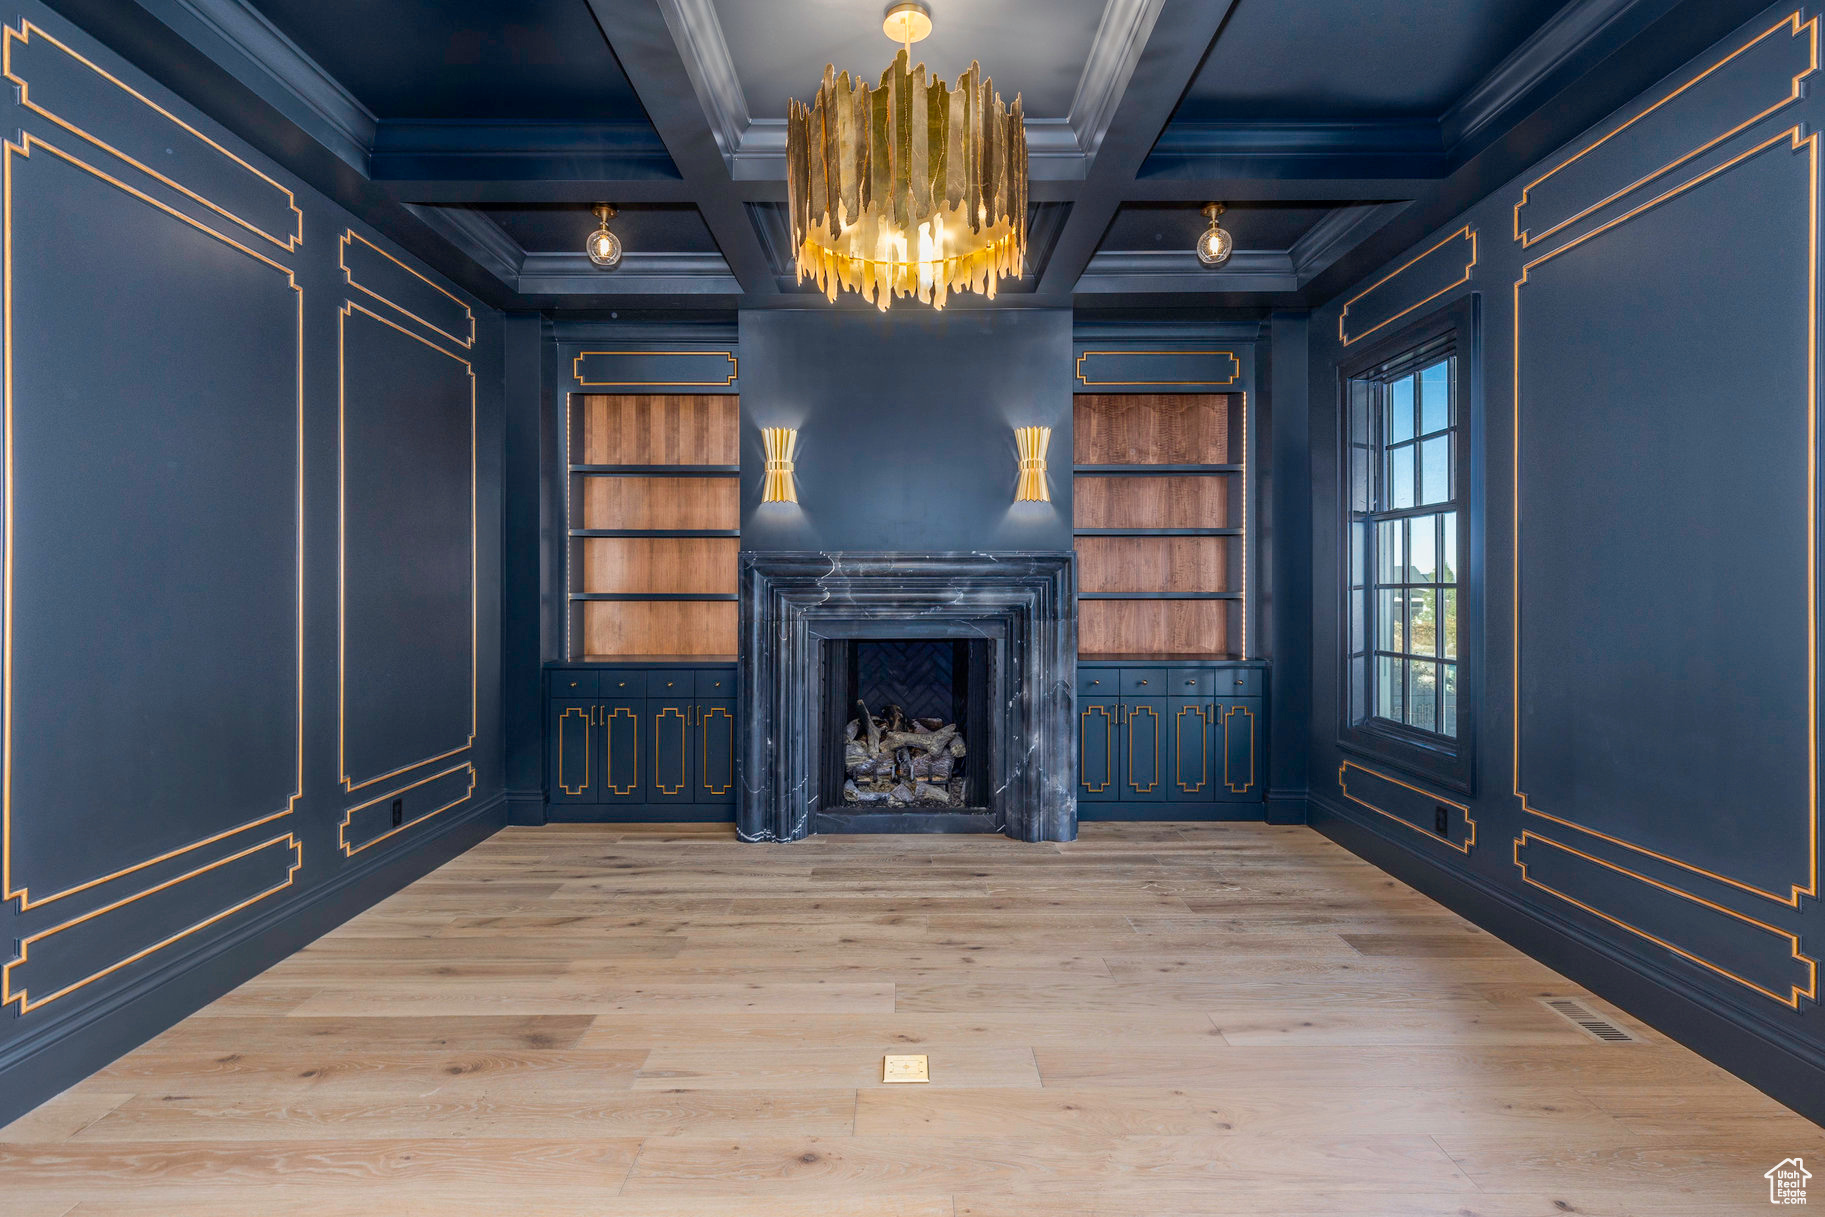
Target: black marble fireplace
[[980, 645]]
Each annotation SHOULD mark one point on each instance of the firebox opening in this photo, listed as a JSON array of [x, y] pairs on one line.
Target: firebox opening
[[909, 730]]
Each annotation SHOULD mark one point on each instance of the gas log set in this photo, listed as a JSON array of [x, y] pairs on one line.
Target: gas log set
[[902, 762]]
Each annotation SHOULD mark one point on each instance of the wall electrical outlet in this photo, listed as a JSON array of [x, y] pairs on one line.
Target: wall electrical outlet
[[1441, 820], [399, 812]]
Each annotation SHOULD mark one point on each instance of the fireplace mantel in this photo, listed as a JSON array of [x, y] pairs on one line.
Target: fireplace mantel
[[1023, 603]]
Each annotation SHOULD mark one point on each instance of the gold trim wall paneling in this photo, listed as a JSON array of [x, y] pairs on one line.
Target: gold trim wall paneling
[[1791, 998], [1795, 90], [1083, 746], [28, 35], [587, 714], [349, 784], [348, 817], [1253, 747], [608, 751], [704, 722], [1235, 369], [1466, 233], [1178, 749], [684, 752], [350, 236], [1469, 842], [728, 381], [11, 884], [1810, 885], [22, 995]]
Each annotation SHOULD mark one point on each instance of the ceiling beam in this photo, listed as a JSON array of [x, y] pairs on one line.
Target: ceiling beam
[[644, 44], [1174, 48]]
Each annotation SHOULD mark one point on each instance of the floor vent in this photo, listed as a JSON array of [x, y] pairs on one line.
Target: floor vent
[[1593, 1025]]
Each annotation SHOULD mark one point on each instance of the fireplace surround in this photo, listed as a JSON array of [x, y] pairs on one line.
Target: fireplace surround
[[1019, 606]]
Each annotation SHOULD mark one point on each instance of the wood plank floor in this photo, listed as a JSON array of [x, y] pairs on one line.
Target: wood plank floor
[[658, 1021]]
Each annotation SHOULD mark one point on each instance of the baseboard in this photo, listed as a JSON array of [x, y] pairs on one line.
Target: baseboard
[[639, 813], [1089, 812], [40, 1066], [1287, 806], [525, 807], [1750, 1046]]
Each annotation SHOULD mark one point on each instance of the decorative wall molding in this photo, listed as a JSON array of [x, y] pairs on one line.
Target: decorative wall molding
[[386, 279], [1787, 975], [654, 369], [1176, 368], [437, 788], [1396, 792], [1809, 885], [1410, 286]]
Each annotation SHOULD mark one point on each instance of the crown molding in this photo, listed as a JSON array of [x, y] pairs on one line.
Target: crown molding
[[697, 31], [262, 57], [1121, 36], [1341, 230], [640, 274], [478, 237], [1174, 270]]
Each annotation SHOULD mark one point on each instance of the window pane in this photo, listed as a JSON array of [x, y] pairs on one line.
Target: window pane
[[1359, 535], [1422, 621], [1360, 391], [1359, 478], [1357, 628], [1400, 410], [1390, 621], [1389, 551], [1447, 704], [1390, 688], [1435, 398], [1359, 689], [1435, 470], [1448, 550], [1447, 614], [1422, 563], [1400, 477], [1422, 679]]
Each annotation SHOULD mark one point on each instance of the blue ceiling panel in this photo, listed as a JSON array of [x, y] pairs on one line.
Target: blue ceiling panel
[[526, 61], [1340, 61], [561, 227]]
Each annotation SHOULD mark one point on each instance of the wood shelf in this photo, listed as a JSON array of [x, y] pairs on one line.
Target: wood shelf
[[655, 527], [1155, 470], [1159, 595], [1157, 532]]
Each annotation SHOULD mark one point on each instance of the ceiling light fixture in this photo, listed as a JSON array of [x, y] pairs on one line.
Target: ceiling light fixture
[[910, 188], [603, 246], [1215, 245]]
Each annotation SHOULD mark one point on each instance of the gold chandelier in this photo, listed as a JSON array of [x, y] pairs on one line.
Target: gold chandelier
[[909, 189]]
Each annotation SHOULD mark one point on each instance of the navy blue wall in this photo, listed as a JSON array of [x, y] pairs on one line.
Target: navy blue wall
[[253, 470], [1644, 809], [906, 427]]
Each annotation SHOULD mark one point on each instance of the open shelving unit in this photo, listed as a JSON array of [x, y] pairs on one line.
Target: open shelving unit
[[654, 523], [1161, 524]]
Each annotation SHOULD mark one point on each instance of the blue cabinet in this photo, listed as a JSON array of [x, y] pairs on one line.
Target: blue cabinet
[[1170, 743], [626, 742]]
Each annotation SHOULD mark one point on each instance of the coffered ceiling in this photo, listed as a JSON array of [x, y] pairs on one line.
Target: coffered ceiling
[[478, 132]]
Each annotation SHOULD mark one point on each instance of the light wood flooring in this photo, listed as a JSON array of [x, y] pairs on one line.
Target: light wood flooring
[[1159, 1020]]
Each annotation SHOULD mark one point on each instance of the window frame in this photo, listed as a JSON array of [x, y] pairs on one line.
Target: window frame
[[1448, 761]]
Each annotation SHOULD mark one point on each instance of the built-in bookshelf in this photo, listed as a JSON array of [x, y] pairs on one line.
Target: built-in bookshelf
[[654, 512], [1160, 516]]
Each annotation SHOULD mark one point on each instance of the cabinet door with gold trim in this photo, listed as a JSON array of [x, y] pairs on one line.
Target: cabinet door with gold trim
[[623, 760], [715, 751], [1189, 756], [574, 762], [1236, 733], [671, 750], [1099, 735], [1144, 739]]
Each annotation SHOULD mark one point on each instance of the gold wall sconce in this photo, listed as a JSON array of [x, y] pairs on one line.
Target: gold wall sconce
[[1033, 442], [781, 443]]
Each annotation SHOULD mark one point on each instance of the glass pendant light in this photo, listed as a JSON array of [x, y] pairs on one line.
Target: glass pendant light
[[603, 246], [1214, 245]]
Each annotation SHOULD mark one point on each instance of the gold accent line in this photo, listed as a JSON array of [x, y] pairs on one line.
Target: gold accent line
[[608, 747], [1791, 23], [576, 372], [350, 235], [24, 34], [7, 890], [1249, 785], [1791, 999], [588, 747], [348, 817], [709, 786], [684, 747], [23, 997], [1469, 822], [1235, 373], [1342, 318], [1811, 887], [1178, 750], [1133, 712], [1247, 549], [349, 786], [1083, 750]]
